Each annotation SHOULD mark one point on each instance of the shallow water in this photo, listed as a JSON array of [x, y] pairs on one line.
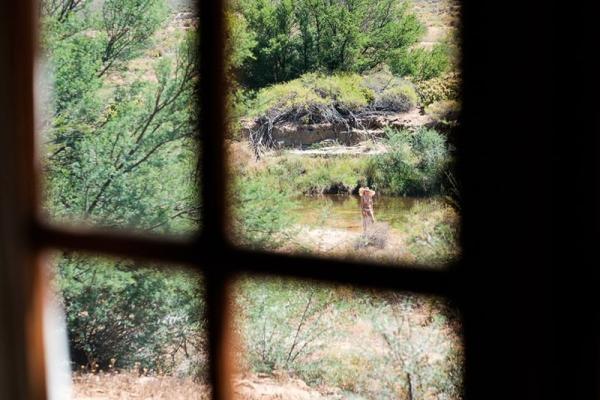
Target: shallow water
[[343, 212]]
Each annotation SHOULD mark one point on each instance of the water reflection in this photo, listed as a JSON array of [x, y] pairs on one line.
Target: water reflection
[[340, 211]]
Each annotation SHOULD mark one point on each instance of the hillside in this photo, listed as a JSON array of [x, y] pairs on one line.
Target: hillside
[[441, 17]]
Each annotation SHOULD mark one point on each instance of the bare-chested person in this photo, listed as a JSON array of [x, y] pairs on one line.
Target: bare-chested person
[[366, 206]]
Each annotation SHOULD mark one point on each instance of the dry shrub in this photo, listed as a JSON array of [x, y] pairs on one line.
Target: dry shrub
[[132, 386], [239, 155], [444, 111], [376, 236], [445, 87]]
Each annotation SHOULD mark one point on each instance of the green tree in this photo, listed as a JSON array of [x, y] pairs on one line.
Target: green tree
[[122, 155], [118, 312], [295, 37], [127, 25], [106, 168], [61, 9]]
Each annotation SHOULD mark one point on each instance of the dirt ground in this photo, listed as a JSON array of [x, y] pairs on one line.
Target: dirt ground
[[335, 242], [249, 387]]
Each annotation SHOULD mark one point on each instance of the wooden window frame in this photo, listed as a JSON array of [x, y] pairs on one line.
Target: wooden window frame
[[491, 347]]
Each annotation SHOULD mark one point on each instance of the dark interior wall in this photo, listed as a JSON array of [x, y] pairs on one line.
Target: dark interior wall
[[529, 168]]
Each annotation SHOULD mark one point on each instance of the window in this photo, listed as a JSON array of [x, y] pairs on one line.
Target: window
[[22, 371]]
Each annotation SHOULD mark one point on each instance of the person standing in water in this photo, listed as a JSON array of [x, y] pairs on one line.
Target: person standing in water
[[366, 206]]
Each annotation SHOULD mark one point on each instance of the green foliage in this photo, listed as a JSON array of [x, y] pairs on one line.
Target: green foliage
[[296, 37], [76, 73], [391, 92], [397, 98], [378, 90], [431, 229], [298, 175], [117, 311], [368, 344], [423, 64], [240, 40], [445, 87], [346, 90], [106, 168], [414, 165], [262, 215], [60, 10], [283, 322], [127, 25]]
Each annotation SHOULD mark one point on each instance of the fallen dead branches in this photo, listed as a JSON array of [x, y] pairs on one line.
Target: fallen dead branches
[[341, 118]]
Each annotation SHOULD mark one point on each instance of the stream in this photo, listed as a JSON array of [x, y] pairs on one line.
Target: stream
[[343, 212]]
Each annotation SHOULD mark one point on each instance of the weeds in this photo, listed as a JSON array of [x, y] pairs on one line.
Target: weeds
[[375, 236], [284, 323]]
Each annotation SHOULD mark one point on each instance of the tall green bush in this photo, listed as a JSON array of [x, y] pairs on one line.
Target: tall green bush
[[414, 164], [261, 213], [125, 316], [422, 64], [296, 37]]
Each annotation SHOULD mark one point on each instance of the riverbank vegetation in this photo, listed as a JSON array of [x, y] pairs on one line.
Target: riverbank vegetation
[[381, 97]]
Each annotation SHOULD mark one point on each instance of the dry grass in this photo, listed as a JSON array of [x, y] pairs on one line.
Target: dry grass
[[131, 386]]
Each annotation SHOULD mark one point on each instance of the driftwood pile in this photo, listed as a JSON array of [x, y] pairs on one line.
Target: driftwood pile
[[261, 138]]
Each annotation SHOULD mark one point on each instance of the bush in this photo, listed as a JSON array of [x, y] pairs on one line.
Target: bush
[[282, 323], [261, 212], [391, 93], [345, 90], [300, 175], [432, 233], [138, 317], [421, 348], [414, 165], [375, 236], [397, 98], [444, 112], [378, 89], [423, 64], [446, 87]]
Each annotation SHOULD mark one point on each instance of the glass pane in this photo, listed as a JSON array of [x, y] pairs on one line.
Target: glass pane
[[134, 331], [117, 113], [302, 341], [344, 116]]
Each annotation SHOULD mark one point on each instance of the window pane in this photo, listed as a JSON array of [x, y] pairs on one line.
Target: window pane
[[344, 118], [134, 331], [299, 340], [118, 113]]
